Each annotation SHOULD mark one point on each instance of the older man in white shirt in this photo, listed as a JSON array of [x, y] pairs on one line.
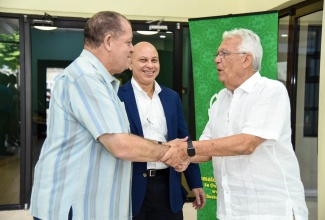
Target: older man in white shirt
[[248, 138]]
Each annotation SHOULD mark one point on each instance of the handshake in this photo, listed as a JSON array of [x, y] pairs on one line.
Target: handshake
[[177, 155]]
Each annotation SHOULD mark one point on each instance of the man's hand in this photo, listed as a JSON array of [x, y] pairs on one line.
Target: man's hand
[[200, 198], [176, 155], [183, 166], [175, 142]]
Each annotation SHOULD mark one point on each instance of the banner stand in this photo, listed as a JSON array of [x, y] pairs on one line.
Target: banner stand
[[205, 38]]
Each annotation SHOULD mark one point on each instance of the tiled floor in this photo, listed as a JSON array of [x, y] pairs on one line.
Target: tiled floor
[[9, 183], [189, 212], [9, 192]]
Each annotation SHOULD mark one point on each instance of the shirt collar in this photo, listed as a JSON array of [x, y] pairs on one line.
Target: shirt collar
[[108, 78], [136, 86], [248, 85]]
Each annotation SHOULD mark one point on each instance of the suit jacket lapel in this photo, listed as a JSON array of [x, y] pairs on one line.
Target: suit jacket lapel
[[167, 109], [130, 103]]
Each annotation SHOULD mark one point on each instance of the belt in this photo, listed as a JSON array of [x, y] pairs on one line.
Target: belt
[[162, 172]]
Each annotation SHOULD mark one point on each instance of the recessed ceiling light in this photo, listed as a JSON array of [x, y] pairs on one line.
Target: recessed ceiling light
[[147, 32], [45, 28]]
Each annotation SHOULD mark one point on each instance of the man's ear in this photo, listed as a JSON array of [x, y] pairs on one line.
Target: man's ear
[[248, 60], [130, 67], [108, 42]]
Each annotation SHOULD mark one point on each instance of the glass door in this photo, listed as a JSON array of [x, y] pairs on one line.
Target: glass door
[[306, 132], [51, 52], [300, 28], [10, 144]]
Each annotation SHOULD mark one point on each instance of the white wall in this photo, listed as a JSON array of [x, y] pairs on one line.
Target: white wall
[[171, 10]]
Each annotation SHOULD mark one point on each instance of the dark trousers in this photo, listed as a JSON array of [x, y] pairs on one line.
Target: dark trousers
[[156, 205], [69, 217]]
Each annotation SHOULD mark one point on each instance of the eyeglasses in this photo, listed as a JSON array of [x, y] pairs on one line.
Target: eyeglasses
[[224, 53]]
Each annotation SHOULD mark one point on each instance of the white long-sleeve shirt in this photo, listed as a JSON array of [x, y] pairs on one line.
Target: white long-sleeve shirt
[[266, 184]]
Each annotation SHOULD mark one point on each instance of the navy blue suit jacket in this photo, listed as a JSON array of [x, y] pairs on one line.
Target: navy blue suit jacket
[[176, 129]]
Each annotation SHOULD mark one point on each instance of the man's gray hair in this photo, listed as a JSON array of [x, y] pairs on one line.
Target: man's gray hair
[[250, 44]]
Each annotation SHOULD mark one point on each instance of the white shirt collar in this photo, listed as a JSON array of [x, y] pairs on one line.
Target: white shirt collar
[[136, 86], [248, 85]]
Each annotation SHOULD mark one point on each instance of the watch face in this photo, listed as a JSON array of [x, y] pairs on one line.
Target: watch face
[[191, 152]]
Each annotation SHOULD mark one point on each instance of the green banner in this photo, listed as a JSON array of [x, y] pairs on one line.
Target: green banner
[[205, 37]]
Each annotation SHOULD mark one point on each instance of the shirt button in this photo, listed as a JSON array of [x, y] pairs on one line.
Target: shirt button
[[144, 175]]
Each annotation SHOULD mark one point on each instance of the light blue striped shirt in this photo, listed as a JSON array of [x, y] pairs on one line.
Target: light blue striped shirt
[[74, 169]]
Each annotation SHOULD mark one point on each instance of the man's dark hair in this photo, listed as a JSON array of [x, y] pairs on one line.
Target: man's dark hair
[[101, 24]]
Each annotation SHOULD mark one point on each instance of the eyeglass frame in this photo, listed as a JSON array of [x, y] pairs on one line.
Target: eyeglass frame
[[223, 53]]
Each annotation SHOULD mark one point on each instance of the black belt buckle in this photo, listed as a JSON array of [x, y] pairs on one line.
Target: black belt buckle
[[152, 173]]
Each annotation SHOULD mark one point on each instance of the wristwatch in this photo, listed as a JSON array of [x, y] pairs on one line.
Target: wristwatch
[[190, 149]]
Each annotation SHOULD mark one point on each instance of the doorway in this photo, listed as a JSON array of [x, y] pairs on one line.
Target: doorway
[[299, 57], [10, 142]]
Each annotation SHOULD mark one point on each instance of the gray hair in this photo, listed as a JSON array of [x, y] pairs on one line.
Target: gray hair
[[101, 24], [250, 44]]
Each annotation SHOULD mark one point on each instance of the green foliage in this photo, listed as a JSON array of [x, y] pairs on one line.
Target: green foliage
[[9, 51]]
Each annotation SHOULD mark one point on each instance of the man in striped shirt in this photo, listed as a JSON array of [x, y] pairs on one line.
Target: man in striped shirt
[[84, 169]]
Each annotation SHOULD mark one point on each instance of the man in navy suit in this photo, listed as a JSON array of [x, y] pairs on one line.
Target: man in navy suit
[[155, 112]]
